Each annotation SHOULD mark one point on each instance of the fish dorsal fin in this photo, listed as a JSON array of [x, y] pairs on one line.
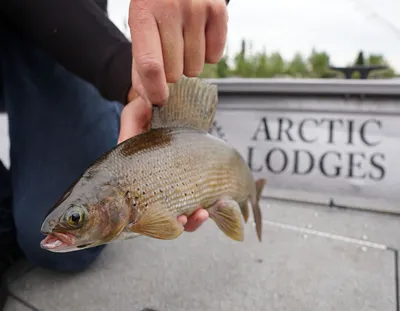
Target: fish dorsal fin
[[192, 103]]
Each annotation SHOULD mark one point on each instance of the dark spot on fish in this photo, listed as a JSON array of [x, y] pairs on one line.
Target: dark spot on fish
[[146, 204], [259, 260], [161, 190], [90, 174], [185, 194], [136, 198], [159, 138], [143, 193]]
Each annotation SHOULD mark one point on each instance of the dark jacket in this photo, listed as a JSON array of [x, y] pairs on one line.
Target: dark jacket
[[79, 34]]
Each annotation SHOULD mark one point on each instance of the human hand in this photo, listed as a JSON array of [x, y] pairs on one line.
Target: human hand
[[171, 38], [194, 221]]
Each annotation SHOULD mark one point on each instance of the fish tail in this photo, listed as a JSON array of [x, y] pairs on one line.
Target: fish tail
[[259, 186]]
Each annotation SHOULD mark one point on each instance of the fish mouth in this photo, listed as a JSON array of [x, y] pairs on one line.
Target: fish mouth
[[58, 242]]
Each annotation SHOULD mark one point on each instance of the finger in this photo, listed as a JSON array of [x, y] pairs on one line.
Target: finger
[[183, 219], [137, 85], [195, 41], [170, 28], [135, 119], [146, 51], [132, 95], [216, 31], [196, 220]]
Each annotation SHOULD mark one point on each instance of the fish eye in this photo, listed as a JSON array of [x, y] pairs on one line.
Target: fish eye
[[75, 217]]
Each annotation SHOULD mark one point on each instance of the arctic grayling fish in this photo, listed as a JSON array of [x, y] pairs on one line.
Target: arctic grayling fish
[[142, 185]]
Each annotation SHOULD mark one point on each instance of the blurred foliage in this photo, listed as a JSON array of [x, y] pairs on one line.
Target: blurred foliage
[[263, 65]]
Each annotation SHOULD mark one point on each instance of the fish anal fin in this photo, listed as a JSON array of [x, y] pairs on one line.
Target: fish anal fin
[[157, 222], [192, 102], [227, 215]]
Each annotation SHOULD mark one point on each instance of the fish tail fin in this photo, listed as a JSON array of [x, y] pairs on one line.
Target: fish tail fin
[[259, 185], [192, 102]]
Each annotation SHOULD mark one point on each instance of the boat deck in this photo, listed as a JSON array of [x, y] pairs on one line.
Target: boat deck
[[312, 258]]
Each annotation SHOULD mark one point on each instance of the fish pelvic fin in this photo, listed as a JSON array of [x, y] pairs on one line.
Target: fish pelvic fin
[[192, 103], [260, 183], [157, 222], [227, 215]]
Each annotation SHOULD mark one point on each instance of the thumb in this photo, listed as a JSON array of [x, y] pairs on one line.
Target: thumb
[[135, 119]]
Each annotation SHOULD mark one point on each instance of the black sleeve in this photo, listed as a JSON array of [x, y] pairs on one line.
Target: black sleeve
[[80, 36]]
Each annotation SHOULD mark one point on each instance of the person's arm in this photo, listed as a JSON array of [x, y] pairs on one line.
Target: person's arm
[[81, 38]]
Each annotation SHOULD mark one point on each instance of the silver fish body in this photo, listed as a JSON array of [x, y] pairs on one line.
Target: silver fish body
[[181, 168], [143, 184]]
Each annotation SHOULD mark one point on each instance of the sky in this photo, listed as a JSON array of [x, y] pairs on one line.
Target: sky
[[340, 27]]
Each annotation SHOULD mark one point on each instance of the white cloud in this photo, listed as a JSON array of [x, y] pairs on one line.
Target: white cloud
[[340, 27]]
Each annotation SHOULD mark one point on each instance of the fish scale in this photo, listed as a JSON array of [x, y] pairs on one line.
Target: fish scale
[[189, 172], [142, 185]]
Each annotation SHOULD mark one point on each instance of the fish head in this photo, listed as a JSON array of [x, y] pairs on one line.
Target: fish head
[[81, 220]]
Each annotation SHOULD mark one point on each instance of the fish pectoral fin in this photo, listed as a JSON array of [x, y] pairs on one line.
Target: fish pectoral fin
[[157, 222], [226, 213]]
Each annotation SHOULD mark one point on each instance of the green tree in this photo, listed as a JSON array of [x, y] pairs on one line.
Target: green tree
[[223, 70], [360, 61], [264, 65], [371, 60], [209, 71], [374, 59], [276, 64], [319, 64], [297, 67], [244, 65]]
